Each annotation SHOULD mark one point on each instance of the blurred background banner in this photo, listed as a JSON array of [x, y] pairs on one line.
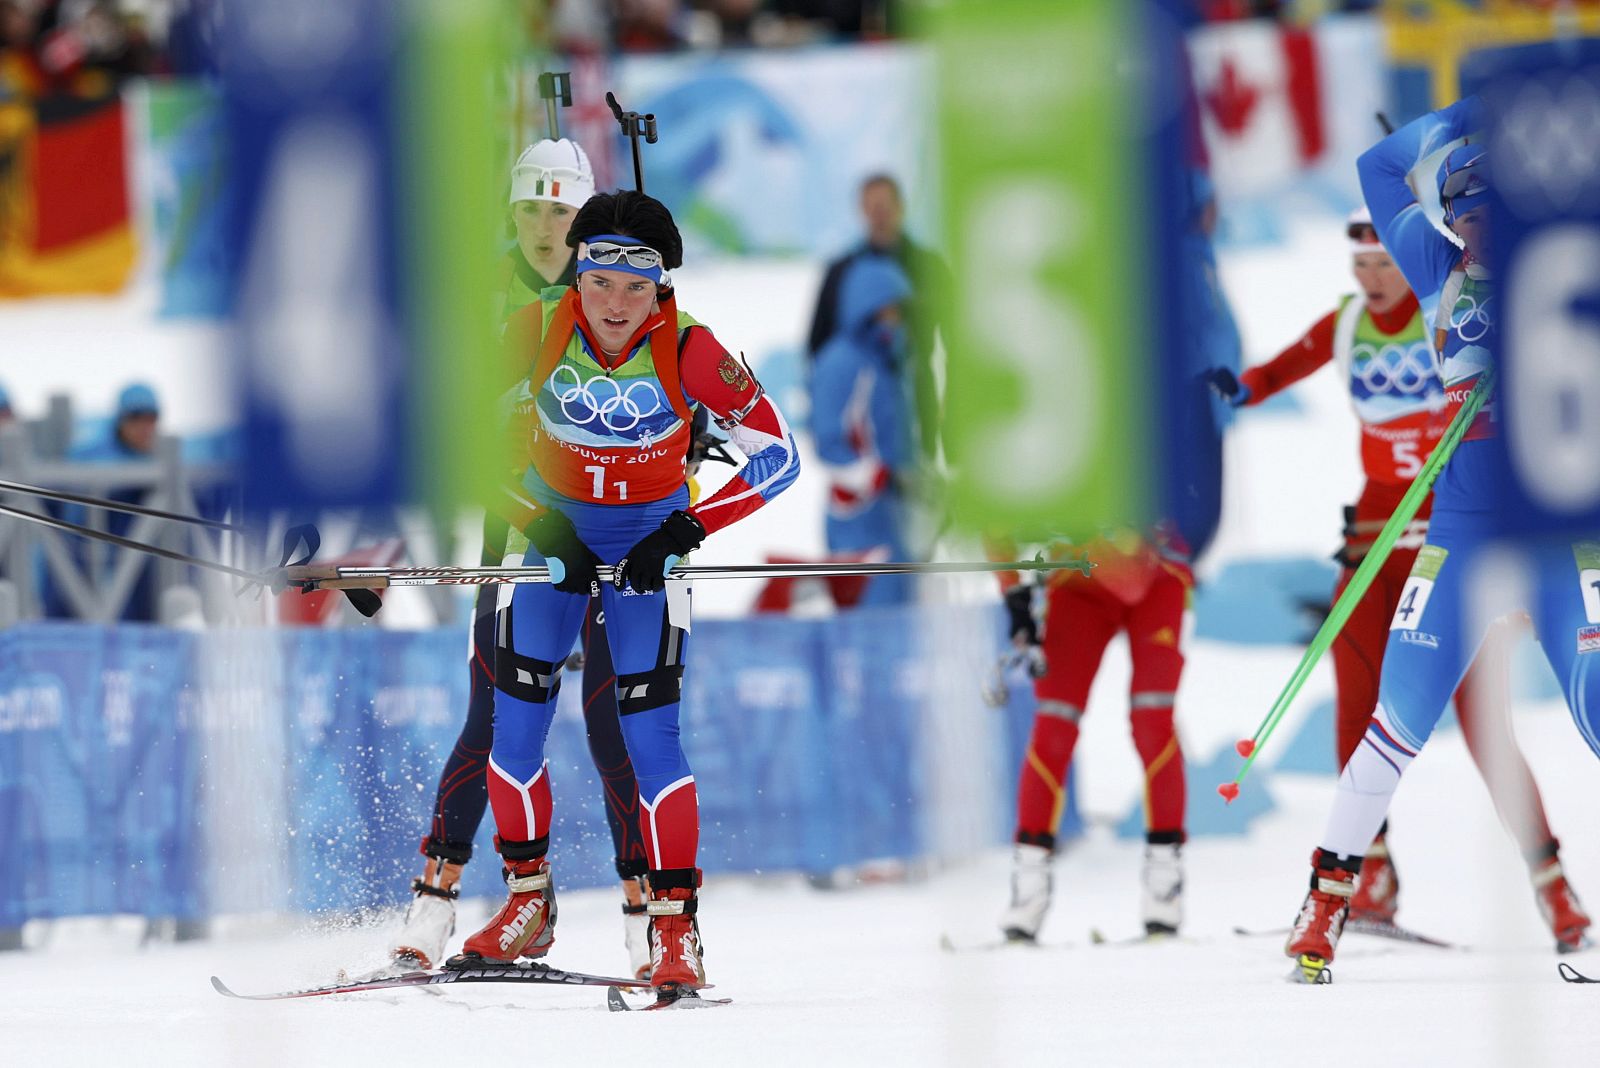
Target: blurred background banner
[[753, 158], [119, 746], [1046, 346], [1543, 113], [323, 364], [184, 178]]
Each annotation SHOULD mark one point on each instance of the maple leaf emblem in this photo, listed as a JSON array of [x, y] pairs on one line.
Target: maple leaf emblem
[[1232, 100]]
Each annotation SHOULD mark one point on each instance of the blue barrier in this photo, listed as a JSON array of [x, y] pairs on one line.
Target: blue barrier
[[128, 767]]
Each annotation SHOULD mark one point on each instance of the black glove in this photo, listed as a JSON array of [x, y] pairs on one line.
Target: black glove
[[1024, 627], [572, 563], [647, 563], [1225, 384]]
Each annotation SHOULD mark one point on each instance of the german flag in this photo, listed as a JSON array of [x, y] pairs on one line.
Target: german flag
[[64, 214]]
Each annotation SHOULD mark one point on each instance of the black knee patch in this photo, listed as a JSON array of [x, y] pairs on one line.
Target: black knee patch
[[632, 869], [674, 879], [447, 851], [526, 678], [1540, 854], [523, 850], [1043, 839], [644, 690]]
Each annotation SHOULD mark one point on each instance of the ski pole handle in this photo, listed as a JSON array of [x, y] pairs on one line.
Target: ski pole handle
[[1421, 486]]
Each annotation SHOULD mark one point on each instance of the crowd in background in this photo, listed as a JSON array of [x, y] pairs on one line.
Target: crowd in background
[[81, 46]]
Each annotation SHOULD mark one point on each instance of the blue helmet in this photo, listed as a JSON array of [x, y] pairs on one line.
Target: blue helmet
[[1463, 180]]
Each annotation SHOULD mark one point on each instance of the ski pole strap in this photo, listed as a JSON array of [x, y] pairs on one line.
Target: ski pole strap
[[1421, 486]]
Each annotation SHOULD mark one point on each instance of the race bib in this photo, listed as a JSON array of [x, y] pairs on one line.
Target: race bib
[[1587, 554], [1418, 588]]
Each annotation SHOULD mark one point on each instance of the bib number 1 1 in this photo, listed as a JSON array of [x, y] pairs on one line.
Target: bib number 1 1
[[599, 474]]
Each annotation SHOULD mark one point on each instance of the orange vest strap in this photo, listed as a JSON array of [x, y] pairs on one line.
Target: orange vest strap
[[664, 351], [557, 334]]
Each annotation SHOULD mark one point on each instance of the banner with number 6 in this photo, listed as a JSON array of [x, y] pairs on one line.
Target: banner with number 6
[[1543, 140]]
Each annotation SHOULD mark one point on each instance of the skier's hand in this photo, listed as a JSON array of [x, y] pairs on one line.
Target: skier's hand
[[1225, 384], [1024, 626], [571, 562], [658, 552]]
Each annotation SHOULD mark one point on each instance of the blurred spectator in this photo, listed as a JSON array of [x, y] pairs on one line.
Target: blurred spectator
[[862, 422], [131, 436], [883, 215], [649, 25], [133, 433], [80, 48], [7, 416]]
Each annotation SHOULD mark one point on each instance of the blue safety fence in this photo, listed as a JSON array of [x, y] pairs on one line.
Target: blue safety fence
[[145, 770]]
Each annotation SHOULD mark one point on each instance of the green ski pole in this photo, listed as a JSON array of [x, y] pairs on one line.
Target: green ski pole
[[1421, 486]]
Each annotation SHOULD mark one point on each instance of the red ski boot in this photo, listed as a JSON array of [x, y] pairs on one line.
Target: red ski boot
[[1559, 907], [1316, 931], [676, 967], [525, 926], [1377, 896]]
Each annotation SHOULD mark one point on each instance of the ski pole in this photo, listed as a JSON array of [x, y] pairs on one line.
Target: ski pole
[[1421, 486], [309, 577], [7, 486]]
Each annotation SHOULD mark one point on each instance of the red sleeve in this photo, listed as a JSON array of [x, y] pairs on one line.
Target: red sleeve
[[755, 426], [712, 376], [1293, 363]]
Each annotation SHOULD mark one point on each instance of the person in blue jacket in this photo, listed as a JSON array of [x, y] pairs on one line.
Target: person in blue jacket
[[1438, 627], [862, 423]]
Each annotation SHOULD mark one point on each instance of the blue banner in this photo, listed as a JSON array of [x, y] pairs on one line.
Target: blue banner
[[312, 124], [1545, 239], [143, 769]]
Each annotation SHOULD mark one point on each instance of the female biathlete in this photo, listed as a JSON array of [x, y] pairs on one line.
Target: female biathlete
[[1378, 340], [1432, 639], [549, 183], [614, 373]]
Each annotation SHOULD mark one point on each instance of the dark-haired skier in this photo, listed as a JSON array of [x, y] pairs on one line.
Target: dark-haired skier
[[615, 372]]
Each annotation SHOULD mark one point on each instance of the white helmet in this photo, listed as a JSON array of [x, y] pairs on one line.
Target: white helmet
[[1362, 234], [553, 170]]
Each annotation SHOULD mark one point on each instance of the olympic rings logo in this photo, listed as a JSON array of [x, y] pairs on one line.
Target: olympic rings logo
[[617, 408], [1470, 320], [1393, 368]]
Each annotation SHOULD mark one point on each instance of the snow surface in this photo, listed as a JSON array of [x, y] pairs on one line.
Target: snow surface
[[857, 976]]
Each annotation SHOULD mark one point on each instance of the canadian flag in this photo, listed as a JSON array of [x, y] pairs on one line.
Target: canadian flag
[[1258, 87]]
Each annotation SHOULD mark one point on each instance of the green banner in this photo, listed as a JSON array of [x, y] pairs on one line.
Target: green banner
[[1046, 424], [458, 59]]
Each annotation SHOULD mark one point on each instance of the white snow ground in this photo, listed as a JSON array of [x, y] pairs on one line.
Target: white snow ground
[[856, 976]]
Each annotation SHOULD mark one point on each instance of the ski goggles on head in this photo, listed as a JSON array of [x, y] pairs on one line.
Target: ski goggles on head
[[1462, 190], [612, 252]]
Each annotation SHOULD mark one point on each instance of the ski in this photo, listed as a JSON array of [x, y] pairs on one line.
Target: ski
[[616, 1001], [539, 974], [1573, 975], [1150, 938], [990, 945], [1391, 931]]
